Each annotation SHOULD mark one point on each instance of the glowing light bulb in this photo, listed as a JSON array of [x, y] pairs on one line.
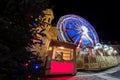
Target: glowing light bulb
[[26, 64], [31, 16], [36, 19], [36, 66]]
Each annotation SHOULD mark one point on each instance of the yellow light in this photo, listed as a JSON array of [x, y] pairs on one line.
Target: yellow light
[[50, 48], [61, 47]]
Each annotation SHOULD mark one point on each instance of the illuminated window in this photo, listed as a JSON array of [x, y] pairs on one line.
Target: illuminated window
[[61, 53]]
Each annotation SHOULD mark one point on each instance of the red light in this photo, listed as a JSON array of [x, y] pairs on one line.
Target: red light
[[29, 76], [31, 16], [62, 67], [26, 64]]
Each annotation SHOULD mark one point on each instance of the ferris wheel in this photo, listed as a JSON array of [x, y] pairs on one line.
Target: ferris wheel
[[75, 29]]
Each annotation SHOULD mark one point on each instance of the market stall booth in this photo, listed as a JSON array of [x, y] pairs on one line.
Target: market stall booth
[[60, 58]]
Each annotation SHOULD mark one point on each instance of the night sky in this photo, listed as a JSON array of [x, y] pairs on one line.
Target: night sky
[[103, 16]]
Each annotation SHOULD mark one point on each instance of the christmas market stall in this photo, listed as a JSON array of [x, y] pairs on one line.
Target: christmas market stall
[[60, 58]]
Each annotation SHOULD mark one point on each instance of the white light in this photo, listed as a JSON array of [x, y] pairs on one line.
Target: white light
[[110, 48], [61, 47], [99, 45], [105, 49], [85, 30], [96, 47], [115, 51]]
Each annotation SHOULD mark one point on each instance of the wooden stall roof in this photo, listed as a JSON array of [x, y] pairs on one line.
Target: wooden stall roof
[[64, 44]]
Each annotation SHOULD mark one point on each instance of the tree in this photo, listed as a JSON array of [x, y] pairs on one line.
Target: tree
[[15, 18]]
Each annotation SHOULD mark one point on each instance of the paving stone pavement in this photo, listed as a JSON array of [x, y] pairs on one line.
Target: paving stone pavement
[[109, 74]]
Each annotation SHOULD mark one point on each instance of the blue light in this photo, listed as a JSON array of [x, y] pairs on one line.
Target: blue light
[[35, 24], [75, 29], [43, 42], [36, 66], [37, 31]]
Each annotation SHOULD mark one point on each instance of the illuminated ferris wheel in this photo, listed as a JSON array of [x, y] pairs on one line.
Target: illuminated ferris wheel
[[75, 29]]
